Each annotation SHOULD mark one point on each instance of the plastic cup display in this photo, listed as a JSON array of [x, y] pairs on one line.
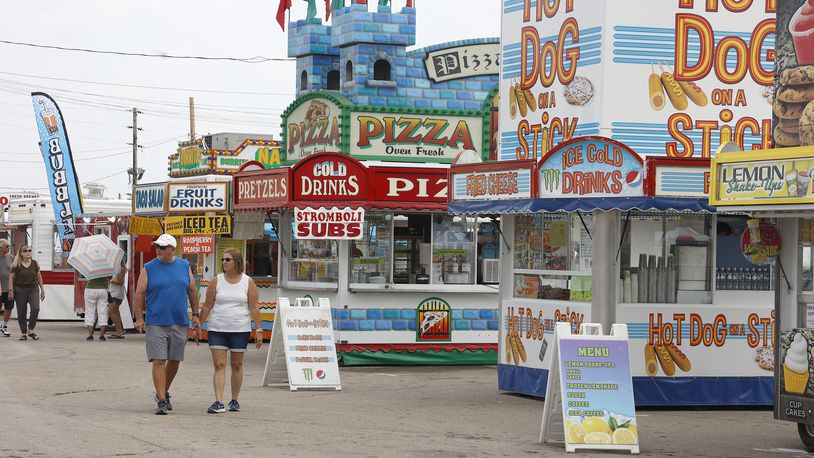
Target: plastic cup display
[[801, 27], [754, 230], [803, 184], [791, 183]]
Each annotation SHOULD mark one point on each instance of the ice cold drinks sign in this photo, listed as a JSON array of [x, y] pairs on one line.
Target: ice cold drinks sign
[[591, 167]]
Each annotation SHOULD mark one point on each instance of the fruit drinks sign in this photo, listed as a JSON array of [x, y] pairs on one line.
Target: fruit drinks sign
[[590, 167]]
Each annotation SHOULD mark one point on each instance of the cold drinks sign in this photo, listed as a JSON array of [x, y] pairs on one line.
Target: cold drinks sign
[[590, 167]]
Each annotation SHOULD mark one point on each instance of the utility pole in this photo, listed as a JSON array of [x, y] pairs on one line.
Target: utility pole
[[135, 155], [192, 119]]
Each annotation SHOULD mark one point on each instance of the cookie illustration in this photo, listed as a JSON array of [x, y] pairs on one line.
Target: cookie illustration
[[807, 125], [797, 93], [580, 91], [786, 110], [791, 126], [783, 138], [803, 74]]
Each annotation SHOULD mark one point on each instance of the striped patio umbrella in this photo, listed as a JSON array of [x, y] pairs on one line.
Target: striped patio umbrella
[[95, 256]]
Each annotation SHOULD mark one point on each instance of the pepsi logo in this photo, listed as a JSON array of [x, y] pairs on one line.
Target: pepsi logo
[[634, 179], [321, 374]]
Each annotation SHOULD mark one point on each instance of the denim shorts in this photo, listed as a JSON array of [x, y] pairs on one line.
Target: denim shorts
[[232, 341]]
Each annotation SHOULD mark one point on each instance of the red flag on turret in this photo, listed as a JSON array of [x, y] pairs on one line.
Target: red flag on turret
[[284, 5]]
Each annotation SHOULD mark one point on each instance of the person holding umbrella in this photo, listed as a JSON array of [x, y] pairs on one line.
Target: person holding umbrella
[[165, 284], [26, 287], [231, 296]]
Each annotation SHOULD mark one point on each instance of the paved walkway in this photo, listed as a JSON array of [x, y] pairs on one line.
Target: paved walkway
[[65, 396]]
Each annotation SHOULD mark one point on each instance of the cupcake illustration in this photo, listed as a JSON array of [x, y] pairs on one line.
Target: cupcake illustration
[[795, 367]]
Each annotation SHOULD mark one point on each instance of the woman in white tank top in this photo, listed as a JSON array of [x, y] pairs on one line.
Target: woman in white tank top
[[231, 297]]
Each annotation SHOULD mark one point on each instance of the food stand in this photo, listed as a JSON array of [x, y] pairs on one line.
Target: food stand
[[638, 248], [402, 276], [774, 186]]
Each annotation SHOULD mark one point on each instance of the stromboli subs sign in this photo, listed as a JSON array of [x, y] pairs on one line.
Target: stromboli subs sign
[[590, 167], [334, 223]]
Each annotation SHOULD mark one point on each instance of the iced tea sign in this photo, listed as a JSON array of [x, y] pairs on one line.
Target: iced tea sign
[[590, 167]]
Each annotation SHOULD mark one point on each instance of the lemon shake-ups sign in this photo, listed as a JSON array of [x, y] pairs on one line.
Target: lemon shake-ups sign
[[780, 176]]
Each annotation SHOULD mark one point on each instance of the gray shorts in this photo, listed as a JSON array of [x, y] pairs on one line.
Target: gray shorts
[[166, 342]]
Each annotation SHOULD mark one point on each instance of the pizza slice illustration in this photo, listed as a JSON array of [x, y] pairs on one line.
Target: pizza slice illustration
[[431, 319]]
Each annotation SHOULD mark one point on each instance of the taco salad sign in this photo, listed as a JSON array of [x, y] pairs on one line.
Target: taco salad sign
[[420, 137]]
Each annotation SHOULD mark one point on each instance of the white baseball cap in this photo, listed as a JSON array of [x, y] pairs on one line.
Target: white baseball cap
[[165, 240]]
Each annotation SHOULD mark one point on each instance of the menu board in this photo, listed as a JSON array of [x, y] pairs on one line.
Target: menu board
[[310, 352], [595, 384]]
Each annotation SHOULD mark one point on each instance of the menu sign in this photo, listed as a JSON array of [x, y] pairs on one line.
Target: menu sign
[[597, 391], [414, 136], [329, 177], [310, 353], [197, 197], [590, 167], [334, 223], [311, 127], [266, 187]]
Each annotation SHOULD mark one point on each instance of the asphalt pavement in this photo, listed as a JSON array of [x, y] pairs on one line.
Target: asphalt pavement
[[65, 396]]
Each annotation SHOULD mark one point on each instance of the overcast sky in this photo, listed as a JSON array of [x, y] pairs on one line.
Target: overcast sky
[[229, 96]]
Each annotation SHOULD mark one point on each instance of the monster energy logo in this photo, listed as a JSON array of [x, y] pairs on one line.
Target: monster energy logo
[[551, 178], [308, 373]]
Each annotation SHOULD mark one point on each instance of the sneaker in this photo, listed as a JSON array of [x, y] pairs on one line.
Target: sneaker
[[89, 338], [216, 407], [234, 406], [161, 408], [4, 331], [102, 337], [169, 403]]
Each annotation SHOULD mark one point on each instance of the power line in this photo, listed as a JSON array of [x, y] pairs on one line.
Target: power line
[[287, 94], [249, 60]]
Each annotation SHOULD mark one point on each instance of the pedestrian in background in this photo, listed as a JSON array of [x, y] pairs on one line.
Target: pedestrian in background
[[5, 298], [231, 296], [165, 284], [115, 297], [26, 287], [96, 305]]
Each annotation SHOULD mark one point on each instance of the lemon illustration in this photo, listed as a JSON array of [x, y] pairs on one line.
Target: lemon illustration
[[597, 438], [576, 433], [635, 431], [623, 436], [596, 425]]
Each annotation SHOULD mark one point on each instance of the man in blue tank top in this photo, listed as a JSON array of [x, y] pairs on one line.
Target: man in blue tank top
[[167, 283]]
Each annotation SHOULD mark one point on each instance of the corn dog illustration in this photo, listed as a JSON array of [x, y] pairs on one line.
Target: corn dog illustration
[[694, 93], [521, 349], [521, 101], [674, 92], [650, 364], [512, 102], [530, 101], [508, 347], [515, 350], [679, 357], [656, 90], [667, 363]]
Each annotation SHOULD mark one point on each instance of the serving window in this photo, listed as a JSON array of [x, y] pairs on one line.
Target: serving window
[[666, 258], [315, 261], [553, 256], [411, 248], [261, 254]]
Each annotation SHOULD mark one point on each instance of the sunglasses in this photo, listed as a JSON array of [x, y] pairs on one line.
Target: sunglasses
[[226, 259], [161, 247], [25, 251]]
